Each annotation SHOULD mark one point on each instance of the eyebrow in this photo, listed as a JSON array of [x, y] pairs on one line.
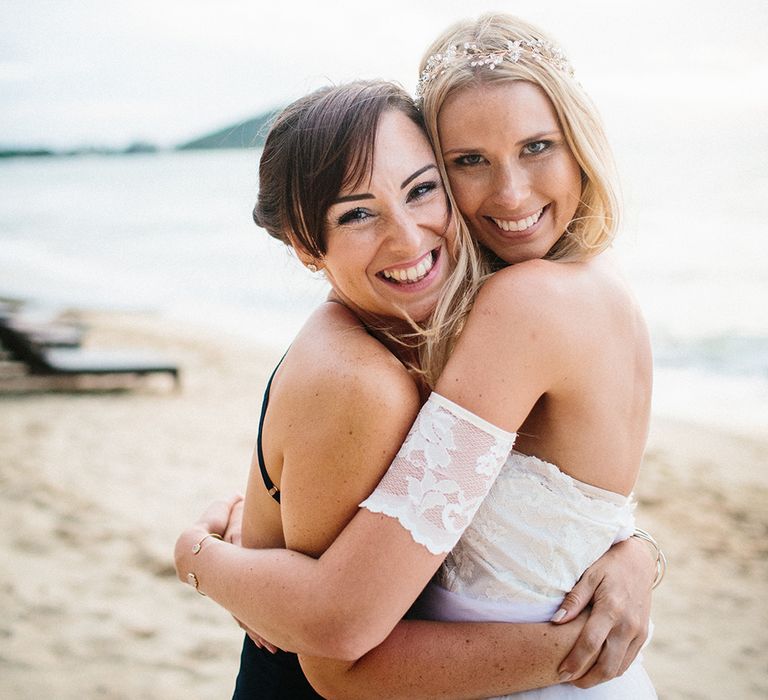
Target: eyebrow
[[528, 139], [368, 195], [352, 198], [411, 178]]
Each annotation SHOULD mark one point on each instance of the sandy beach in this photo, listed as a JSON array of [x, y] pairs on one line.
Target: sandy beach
[[95, 487]]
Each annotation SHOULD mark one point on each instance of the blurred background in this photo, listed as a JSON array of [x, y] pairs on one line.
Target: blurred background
[[114, 202], [680, 85]]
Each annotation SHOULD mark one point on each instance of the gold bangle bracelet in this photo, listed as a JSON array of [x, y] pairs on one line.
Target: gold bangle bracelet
[[196, 549], [661, 560], [191, 577], [192, 580]]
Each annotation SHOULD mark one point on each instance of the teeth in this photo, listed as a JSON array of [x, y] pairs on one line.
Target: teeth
[[411, 274], [520, 225]]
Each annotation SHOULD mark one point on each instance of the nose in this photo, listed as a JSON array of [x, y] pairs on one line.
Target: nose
[[406, 234], [511, 186]]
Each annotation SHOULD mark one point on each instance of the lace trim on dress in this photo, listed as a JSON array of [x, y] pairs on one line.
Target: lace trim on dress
[[442, 473], [565, 483], [534, 535]]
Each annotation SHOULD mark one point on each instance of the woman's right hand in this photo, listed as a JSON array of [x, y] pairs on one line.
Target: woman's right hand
[[215, 520], [233, 533]]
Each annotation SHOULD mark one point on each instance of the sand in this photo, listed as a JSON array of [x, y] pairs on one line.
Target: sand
[[95, 487]]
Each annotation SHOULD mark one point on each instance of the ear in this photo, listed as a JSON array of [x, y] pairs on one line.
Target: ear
[[309, 261]]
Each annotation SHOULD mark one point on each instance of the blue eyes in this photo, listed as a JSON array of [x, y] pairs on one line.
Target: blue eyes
[[470, 159], [537, 147], [533, 148]]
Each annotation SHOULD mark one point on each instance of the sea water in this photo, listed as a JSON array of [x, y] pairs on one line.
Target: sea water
[[172, 233]]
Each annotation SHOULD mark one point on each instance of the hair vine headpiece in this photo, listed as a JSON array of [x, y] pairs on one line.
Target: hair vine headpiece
[[535, 49]]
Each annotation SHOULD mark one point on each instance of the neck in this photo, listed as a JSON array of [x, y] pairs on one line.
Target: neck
[[395, 334]]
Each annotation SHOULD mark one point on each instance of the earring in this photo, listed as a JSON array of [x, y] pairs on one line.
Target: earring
[[312, 267]]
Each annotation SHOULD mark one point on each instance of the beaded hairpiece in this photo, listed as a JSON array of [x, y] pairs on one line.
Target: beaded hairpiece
[[535, 49]]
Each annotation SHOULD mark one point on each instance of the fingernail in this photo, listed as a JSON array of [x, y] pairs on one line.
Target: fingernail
[[565, 677], [559, 615]]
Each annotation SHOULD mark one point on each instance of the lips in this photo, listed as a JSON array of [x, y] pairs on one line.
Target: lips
[[414, 273], [518, 225]]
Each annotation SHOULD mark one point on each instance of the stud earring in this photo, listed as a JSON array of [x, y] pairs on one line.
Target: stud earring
[[312, 267]]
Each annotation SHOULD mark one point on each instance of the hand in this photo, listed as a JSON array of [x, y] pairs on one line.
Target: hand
[[218, 515], [257, 639], [233, 533], [618, 586], [214, 520]]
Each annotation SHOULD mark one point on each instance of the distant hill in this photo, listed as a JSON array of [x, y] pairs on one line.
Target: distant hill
[[247, 134], [22, 152]]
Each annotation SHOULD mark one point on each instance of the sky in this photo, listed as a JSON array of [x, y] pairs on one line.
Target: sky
[[99, 72]]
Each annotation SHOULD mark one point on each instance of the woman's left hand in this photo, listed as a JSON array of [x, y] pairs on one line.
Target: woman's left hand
[[620, 595]]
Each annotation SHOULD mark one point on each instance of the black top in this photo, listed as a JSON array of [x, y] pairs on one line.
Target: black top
[[263, 675], [267, 676], [273, 490]]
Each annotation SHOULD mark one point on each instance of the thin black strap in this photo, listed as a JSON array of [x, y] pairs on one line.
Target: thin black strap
[[273, 490]]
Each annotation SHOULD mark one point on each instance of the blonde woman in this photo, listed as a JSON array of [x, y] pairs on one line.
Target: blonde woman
[[556, 352]]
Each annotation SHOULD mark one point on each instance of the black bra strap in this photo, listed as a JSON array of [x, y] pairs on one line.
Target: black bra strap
[[273, 490]]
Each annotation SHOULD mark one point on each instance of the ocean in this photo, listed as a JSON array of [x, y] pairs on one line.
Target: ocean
[[171, 233]]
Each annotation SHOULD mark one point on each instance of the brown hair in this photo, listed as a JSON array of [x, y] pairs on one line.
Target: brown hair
[[318, 145]]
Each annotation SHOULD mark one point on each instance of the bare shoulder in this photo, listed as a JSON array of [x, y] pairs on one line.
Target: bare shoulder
[[345, 405], [557, 310], [557, 292], [334, 356], [531, 286], [527, 298]]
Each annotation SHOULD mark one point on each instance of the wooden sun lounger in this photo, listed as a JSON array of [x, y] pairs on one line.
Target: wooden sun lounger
[[49, 335], [71, 360]]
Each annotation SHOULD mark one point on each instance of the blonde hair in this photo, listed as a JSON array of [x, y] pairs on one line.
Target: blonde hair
[[437, 338], [596, 219]]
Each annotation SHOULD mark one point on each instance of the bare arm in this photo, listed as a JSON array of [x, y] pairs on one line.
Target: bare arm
[[422, 660], [602, 645], [277, 583], [456, 660], [367, 575], [350, 598]]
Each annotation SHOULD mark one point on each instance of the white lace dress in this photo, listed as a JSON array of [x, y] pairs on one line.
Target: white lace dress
[[530, 541], [532, 536]]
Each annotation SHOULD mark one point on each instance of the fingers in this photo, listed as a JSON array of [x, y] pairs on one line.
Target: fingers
[[263, 643], [216, 515], [617, 625], [579, 597], [632, 651], [605, 649], [587, 649], [607, 666], [234, 529], [258, 640]]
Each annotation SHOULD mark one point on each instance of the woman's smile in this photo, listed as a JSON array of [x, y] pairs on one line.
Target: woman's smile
[[520, 225], [386, 237], [512, 172], [410, 275]]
